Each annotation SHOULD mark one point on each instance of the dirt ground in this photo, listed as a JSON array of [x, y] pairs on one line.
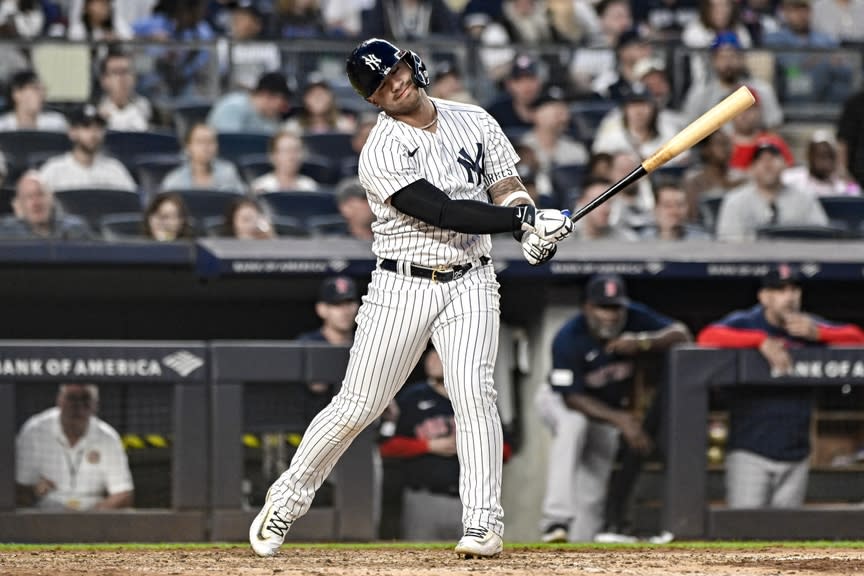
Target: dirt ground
[[515, 561]]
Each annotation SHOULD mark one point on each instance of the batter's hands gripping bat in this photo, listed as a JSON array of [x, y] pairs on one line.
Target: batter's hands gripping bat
[[699, 129]]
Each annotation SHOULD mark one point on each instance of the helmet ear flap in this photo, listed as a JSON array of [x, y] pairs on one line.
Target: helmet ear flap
[[419, 74]]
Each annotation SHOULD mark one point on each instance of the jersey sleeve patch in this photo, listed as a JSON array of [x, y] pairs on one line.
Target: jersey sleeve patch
[[561, 378]]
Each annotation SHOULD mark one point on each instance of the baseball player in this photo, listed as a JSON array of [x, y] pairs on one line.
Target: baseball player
[[430, 168], [585, 404]]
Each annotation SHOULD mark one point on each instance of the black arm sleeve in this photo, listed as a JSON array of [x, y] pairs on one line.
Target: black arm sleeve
[[425, 202]]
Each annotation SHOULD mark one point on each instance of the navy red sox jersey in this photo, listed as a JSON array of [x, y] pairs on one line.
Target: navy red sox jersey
[[424, 415], [580, 365], [467, 153], [767, 420]]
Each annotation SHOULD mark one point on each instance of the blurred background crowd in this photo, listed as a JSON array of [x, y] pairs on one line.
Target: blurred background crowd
[[169, 120]]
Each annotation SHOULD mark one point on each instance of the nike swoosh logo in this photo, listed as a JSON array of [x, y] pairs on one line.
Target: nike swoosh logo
[[411, 154]]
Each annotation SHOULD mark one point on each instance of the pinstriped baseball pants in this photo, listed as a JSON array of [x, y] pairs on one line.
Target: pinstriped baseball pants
[[396, 320]]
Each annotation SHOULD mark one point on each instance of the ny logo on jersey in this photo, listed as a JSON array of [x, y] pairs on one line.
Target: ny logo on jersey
[[472, 165], [372, 61]]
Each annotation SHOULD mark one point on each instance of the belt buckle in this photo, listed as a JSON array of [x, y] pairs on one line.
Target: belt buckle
[[438, 270]]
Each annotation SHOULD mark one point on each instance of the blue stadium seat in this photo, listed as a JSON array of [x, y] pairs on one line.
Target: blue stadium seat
[[235, 145], [301, 205], [792, 232], [847, 211], [18, 146], [204, 203], [709, 209], [150, 170], [6, 196], [252, 166], [129, 147], [567, 181], [674, 173], [321, 169], [184, 116], [328, 225], [92, 204], [586, 116], [335, 145], [123, 226]]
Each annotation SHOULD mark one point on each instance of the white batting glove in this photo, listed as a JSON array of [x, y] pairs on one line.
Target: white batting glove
[[536, 250], [549, 224]]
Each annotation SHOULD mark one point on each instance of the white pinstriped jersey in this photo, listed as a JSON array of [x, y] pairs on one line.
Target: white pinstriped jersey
[[467, 153]]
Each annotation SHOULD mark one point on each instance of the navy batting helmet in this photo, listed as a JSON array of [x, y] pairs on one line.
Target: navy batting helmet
[[373, 60]]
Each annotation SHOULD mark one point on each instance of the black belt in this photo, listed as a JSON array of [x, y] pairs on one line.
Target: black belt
[[434, 274]]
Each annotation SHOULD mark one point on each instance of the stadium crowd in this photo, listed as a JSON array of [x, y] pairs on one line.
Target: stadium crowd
[[585, 90]]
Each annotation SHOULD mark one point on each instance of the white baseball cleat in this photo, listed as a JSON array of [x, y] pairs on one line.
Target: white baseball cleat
[[268, 529], [479, 543]]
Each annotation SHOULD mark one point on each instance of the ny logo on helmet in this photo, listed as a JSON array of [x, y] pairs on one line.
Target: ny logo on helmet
[[372, 61]]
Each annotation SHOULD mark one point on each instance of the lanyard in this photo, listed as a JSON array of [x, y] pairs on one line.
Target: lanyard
[[73, 463]]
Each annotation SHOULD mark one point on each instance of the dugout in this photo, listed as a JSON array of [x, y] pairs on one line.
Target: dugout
[[261, 392], [690, 510], [155, 395]]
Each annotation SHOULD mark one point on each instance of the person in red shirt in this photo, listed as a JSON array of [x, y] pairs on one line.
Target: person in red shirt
[[769, 426], [748, 133]]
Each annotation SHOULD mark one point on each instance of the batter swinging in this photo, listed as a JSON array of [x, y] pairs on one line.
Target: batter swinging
[[429, 168]]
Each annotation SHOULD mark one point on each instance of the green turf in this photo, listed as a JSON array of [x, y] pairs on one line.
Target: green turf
[[703, 545]]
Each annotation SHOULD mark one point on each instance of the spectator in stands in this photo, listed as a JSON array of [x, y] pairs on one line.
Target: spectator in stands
[[447, 83], [343, 18], [596, 224], [35, 215], [715, 17], [249, 56], [259, 111], [298, 19], [600, 165], [586, 402], [850, 138], [748, 128], [651, 73], [166, 219], [528, 23], [665, 19], [201, 167], [246, 220], [769, 426], [409, 20], [354, 207], [424, 442], [712, 177], [27, 96], [670, 215], [766, 201], [181, 72], [529, 167], [618, 83], [615, 19], [840, 19], [286, 152], [120, 106], [128, 11], [85, 166], [548, 138], [99, 23], [633, 207], [807, 76], [638, 128], [319, 112], [21, 19], [730, 72], [820, 175], [69, 459], [516, 108]]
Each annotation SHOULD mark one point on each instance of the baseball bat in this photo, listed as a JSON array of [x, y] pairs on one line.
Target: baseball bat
[[695, 132]]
